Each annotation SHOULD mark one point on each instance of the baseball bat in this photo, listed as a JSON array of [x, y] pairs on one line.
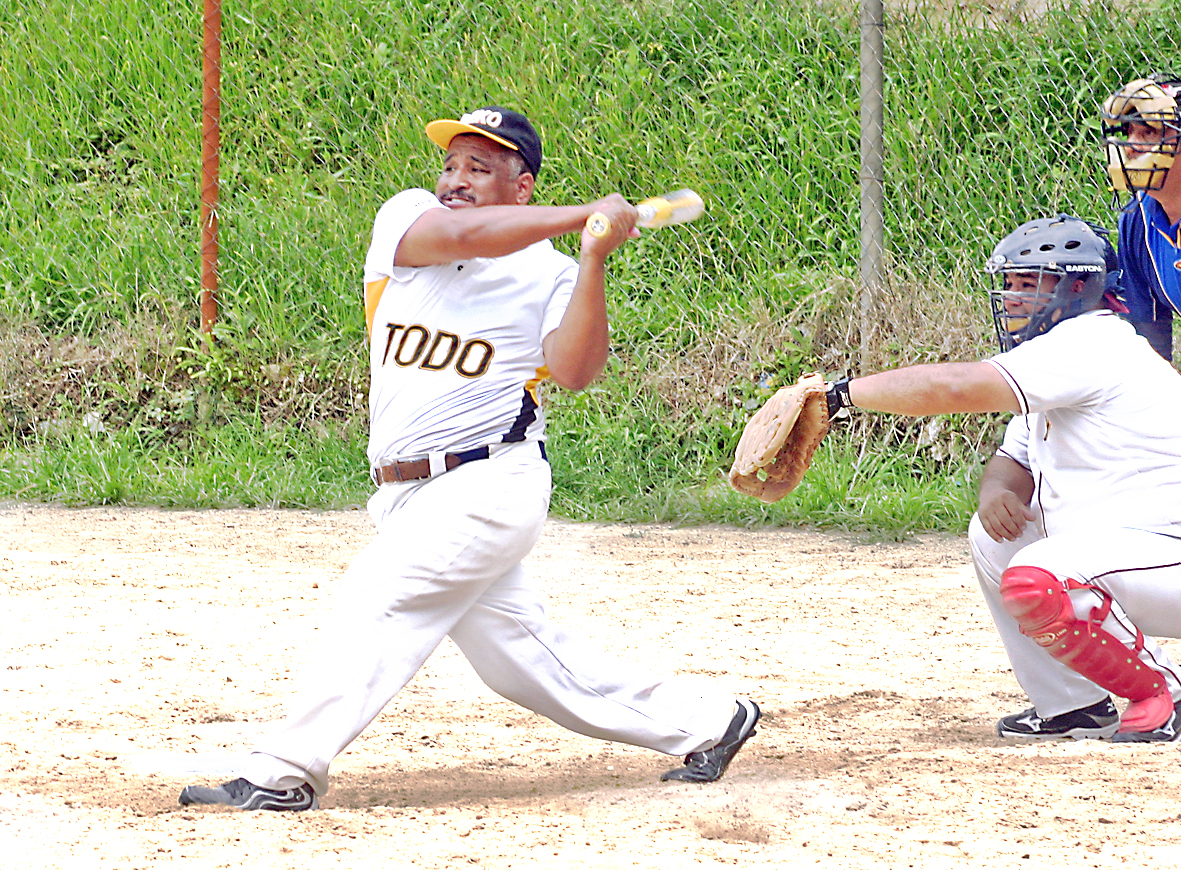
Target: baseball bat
[[676, 207]]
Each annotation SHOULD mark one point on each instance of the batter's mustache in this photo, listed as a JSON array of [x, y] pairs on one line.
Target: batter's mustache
[[455, 194]]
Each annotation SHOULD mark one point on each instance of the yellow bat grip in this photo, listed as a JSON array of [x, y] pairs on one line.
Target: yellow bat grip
[[598, 225]]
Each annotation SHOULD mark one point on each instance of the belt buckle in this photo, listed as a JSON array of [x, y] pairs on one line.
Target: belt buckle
[[387, 472]]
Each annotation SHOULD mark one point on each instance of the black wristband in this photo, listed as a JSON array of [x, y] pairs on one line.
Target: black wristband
[[837, 396]]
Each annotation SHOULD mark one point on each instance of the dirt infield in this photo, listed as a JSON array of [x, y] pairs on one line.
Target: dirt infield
[[146, 649]]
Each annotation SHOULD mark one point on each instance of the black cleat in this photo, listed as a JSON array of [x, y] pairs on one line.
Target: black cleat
[[1166, 733], [708, 765], [241, 794], [1098, 721]]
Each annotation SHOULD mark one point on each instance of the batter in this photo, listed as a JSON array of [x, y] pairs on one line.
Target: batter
[[1077, 539], [469, 308]]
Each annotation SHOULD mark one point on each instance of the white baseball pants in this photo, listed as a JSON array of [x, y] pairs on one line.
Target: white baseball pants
[[447, 561], [1141, 571]]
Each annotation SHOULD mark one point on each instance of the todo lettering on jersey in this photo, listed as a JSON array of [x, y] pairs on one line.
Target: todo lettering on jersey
[[416, 346]]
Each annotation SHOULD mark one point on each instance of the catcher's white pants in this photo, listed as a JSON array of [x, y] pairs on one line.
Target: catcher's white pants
[[1141, 571], [446, 561]]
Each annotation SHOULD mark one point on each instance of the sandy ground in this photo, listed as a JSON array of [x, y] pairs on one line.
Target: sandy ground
[[146, 649]]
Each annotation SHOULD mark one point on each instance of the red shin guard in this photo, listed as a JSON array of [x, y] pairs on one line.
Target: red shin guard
[[1038, 601]]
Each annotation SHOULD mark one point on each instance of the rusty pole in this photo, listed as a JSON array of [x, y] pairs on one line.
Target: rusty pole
[[210, 155]]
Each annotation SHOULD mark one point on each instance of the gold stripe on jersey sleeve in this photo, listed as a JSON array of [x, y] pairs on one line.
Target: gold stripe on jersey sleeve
[[373, 291], [531, 386]]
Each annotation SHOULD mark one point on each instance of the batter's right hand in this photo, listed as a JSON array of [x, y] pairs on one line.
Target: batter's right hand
[[1004, 516], [622, 216]]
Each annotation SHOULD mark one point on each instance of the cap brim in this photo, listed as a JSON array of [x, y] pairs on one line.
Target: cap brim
[[442, 132]]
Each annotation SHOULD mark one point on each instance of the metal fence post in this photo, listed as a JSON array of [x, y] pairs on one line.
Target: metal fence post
[[872, 198]]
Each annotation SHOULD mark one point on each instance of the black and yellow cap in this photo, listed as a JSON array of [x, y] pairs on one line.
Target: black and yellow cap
[[503, 126]]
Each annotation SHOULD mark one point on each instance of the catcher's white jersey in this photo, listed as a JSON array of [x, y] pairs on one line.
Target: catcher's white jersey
[[1101, 435], [449, 370], [1101, 430]]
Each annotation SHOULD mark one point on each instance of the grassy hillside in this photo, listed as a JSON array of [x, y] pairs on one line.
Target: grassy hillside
[[991, 119]]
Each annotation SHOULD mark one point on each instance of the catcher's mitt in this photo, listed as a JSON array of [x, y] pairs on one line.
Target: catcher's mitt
[[777, 444]]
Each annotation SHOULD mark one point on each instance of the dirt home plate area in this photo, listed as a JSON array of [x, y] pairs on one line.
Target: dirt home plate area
[[146, 649]]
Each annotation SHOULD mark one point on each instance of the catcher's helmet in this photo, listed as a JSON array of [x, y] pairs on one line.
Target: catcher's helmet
[[1046, 271], [1152, 102]]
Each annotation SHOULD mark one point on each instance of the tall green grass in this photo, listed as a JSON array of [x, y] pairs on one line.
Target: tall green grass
[[991, 118], [242, 463], [754, 103]]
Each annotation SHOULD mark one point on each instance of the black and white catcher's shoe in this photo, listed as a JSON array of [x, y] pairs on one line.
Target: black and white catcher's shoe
[[1097, 722], [708, 765], [241, 794]]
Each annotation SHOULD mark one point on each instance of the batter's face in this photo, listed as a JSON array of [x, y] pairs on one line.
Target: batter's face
[[478, 171]]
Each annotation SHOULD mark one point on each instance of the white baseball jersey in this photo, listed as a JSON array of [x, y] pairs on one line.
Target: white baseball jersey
[[449, 371], [456, 355], [1101, 430]]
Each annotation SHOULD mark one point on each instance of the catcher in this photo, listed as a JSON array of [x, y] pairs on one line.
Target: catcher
[[1077, 538]]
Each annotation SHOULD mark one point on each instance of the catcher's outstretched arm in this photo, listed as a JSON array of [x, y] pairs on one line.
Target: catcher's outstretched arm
[[942, 388]]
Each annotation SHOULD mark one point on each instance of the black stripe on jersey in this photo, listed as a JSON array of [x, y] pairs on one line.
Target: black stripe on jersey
[[1133, 569], [525, 417], [1013, 385], [1037, 501], [1001, 452]]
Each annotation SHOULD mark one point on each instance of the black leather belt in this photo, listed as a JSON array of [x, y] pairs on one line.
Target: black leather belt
[[417, 469]]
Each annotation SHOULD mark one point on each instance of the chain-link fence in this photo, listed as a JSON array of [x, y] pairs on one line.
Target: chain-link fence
[[989, 117]]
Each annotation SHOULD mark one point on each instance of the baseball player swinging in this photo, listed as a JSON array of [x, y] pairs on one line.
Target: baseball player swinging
[[469, 308], [1077, 539]]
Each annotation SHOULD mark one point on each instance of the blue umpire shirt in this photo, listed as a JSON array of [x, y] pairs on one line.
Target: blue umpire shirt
[[1150, 257]]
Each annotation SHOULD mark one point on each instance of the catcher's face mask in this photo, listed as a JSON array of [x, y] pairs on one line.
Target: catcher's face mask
[[1142, 133], [1025, 304], [1044, 272]]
